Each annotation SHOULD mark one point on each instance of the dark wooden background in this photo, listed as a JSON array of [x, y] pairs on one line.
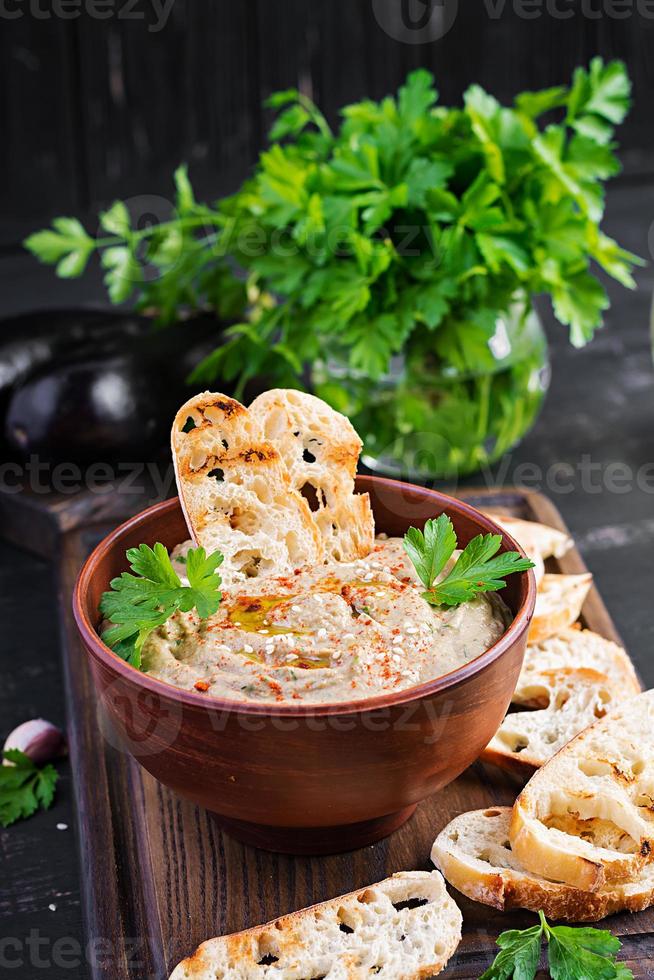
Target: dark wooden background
[[96, 108], [93, 109]]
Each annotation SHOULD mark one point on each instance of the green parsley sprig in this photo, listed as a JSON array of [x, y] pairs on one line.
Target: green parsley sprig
[[477, 569], [24, 787], [583, 953], [410, 227], [139, 602]]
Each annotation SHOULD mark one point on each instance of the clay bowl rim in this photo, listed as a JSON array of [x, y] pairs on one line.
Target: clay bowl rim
[[193, 699]]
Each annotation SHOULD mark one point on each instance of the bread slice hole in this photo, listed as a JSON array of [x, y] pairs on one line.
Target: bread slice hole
[[189, 425], [247, 562], [595, 767], [410, 903], [314, 496], [217, 474], [243, 520], [347, 922], [308, 456], [515, 743], [269, 951], [488, 813]]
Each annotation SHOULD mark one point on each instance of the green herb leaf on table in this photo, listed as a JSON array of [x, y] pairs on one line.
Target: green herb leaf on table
[[24, 787], [139, 602], [477, 569], [574, 953]]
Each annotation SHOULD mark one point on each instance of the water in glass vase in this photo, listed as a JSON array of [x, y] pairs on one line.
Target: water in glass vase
[[441, 417]]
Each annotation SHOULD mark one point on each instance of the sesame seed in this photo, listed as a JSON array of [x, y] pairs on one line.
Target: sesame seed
[[322, 633], [62, 826], [348, 636], [263, 632], [380, 595], [296, 609], [291, 656], [397, 650], [412, 629], [236, 622], [52, 907], [248, 648], [337, 655]]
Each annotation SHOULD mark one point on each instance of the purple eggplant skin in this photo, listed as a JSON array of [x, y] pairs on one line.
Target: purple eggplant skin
[[104, 404], [30, 340], [104, 409]]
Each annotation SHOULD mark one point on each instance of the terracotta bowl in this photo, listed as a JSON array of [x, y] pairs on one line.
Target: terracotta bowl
[[307, 778]]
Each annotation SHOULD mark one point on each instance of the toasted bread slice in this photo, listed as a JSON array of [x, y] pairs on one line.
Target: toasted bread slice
[[474, 853], [321, 450], [587, 816], [236, 491], [527, 739], [535, 539], [573, 678], [573, 648], [558, 604], [368, 933]]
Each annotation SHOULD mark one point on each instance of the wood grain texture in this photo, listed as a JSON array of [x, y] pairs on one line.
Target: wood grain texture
[[100, 107], [159, 871]]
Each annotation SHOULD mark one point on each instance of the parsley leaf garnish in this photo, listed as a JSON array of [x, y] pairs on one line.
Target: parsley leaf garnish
[[583, 953], [477, 569], [139, 603], [24, 787]]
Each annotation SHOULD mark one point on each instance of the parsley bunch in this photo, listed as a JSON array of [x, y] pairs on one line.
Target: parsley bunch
[[477, 569], [574, 954], [139, 602], [24, 787], [409, 228]]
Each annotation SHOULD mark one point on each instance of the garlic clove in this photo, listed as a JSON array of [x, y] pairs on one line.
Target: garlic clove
[[39, 739]]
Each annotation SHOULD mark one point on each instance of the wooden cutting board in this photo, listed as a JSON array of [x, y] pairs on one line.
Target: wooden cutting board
[[159, 877]]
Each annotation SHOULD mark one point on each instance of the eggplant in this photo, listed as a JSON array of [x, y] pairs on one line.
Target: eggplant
[[102, 404], [33, 339], [103, 409]]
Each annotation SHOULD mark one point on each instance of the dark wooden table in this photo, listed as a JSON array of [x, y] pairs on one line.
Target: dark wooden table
[[592, 451]]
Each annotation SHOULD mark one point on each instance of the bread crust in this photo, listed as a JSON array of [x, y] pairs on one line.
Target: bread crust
[[456, 853], [321, 450], [236, 492], [566, 698], [312, 939], [558, 604], [584, 818]]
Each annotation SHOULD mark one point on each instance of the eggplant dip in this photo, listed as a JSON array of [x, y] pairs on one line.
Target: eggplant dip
[[335, 632]]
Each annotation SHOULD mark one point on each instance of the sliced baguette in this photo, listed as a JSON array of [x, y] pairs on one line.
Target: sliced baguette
[[573, 648], [558, 604], [534, 538], [474, 853], [572, 678], [587, 816], [236, 492], [368, 933], [527, 739], [321, 450]]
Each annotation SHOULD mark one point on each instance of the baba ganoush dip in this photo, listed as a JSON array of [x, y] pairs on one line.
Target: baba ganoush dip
[[335, 632]]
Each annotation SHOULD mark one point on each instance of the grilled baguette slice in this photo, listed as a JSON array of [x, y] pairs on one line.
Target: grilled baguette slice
[[474, 853], [573, 648], [534, 538], [236, 491], [321, 450], [527, 739], [368, 933], [558, 604], [573, 679], [587, 816]]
